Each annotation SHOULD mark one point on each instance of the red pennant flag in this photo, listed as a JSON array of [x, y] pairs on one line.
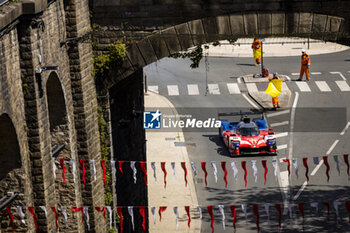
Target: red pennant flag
[[325, 160], [327, 205], [183, 165], [346, 160], [307, 169], [56, 215], [142, 212], [301, 210], [82, 161], [256, 212], [210, 211], [144, 170], [120, 213], [278, 208], [8, 209], [347, 205], [233, 211], [104, 172], [263, 162], [287, 161], [223, 166], [81, 209], [98, 209], [162, 165], [187, 208], [121, 166], [161, 210], [35, 217], [243, 163], [63, 169], [205, 172]]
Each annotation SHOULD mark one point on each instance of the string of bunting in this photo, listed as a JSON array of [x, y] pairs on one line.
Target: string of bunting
[[233, 210], [223, 164]]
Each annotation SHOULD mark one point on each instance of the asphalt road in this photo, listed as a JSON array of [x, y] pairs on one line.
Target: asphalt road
[[312, 129]]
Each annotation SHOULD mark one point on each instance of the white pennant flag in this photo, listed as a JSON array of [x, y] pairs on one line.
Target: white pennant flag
[[193, 166], [295, 165], [86, 213], [244, 208], [267, 210], [316, 161], [109, 209], [72, 162], [54, 167], [314, 205], [337, 162], [176, 212], [132, 166], [153, 166], [174, 169], [199, 209], [255, 169], [290, 209], [63, 209], [235, 170], [215, 171], [153, 210], [114, 171], [221, 209], [93, 168], [274, 164], [45, 212], [335, 205], [131, 213], [21, 214]]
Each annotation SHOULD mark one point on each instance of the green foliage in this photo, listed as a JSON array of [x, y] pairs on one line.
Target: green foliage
[[195, 56], [103, 61], [112, 230]]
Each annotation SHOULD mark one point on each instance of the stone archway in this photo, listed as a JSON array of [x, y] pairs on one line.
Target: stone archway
[[10, 155]]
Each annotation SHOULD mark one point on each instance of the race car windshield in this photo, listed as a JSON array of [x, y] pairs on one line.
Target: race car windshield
[[249, 131]]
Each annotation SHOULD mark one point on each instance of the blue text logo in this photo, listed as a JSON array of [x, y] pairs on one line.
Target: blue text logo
[[151, 120]]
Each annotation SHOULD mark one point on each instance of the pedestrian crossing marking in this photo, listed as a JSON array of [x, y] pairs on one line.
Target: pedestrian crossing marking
[[343, 85], [341, 75], [323, 86], [281, 147], [314, 73], [252, 87], [192, 89], [279, 123], [279, 135], [213, 89], [173, 90], [303, 87], [278, 113], [233, 88], [153, 89]]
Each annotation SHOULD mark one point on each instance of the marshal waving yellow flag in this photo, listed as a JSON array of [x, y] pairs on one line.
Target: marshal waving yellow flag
[[274, 88]]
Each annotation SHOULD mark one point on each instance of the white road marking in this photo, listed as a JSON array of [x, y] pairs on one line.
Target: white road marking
[[285, 87], [287, 77], [332, 147], [173, 90], [345, 129], [316, 73], [279, 135], [233, 88], [214, 89], [251, 102], [292, 117], [317, 167], [252, 87], [295, 73], [343, 85], [153, 89], [281, 147], [303, 87], [279, 123], [278, 113], [341, 75], [192, 89], [300, 191], [239, 80], [281, 159], [323, 86]]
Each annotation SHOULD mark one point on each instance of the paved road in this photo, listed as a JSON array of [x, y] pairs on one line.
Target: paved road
[[315, 128]]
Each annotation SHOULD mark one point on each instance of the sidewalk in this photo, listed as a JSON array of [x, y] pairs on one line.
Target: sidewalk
[[273, 47], [161, 148]]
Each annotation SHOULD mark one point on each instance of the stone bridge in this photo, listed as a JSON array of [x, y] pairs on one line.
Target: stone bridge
[[49, 97]]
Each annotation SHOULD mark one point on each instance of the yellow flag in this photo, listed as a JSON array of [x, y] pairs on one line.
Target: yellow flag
[[256, 53], [272, 90], [278, 84]]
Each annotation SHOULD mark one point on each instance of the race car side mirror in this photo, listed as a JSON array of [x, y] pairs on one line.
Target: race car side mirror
[[270, 129]]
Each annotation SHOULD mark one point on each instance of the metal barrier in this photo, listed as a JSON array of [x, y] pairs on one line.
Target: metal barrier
[[2, 2]]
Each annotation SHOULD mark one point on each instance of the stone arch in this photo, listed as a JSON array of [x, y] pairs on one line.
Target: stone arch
[[10, 155], [206, 30]]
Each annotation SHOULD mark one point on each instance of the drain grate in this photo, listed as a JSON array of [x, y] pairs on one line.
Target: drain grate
[[179, 144], [170, 139]]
